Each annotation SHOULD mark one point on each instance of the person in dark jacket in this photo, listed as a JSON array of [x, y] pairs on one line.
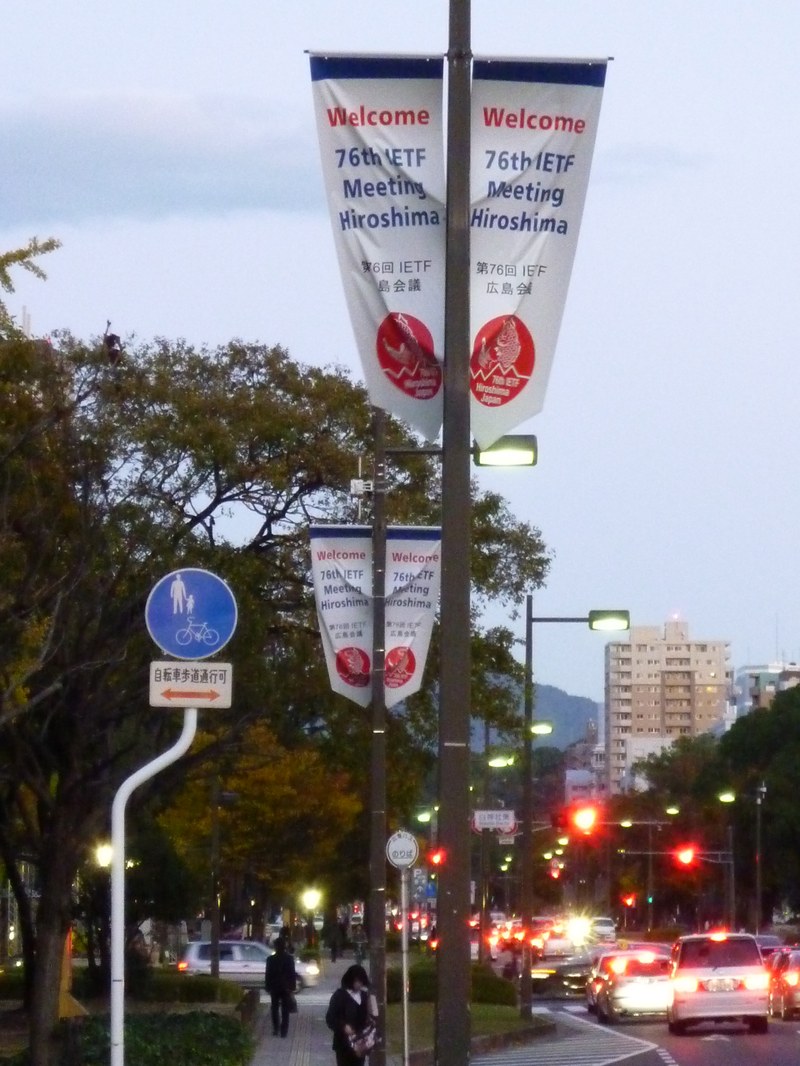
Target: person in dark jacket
[[348, 1013], [280, 981]]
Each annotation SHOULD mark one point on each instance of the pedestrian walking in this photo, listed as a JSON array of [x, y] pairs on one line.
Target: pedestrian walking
[[351, 1014], [280, 981]]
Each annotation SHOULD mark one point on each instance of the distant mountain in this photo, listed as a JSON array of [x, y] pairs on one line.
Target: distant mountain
[[570, 715]]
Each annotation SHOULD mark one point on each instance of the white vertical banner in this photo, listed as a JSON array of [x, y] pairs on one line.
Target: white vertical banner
[[379, 123], [341, 564], [413, 579], [533, 132]]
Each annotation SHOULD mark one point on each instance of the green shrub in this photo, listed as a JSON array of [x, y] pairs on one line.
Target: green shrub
[[12, 983], [198, 1038], [487, 987], [169, 986]]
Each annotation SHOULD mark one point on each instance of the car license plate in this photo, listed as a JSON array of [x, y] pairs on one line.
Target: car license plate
[[722, 984]]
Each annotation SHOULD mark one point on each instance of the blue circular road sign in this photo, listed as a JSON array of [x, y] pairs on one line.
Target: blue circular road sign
[[191, 613]]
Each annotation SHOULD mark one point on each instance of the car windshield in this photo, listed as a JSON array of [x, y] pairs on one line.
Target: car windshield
[[714, 953]]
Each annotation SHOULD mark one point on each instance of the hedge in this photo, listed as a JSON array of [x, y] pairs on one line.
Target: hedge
[[487, 986]]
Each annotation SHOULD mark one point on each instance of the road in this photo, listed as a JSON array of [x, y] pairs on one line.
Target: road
[[580, 1040]]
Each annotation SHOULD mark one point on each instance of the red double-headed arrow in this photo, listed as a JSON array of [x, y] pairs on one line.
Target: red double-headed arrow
[[186, 694]]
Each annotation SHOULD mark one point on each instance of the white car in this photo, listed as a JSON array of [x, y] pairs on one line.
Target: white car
[[242, 961], [718, 977]]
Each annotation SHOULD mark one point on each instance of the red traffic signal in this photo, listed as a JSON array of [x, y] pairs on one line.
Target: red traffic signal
[[436, 857], [686, 855], [585, 818], [629, 900]]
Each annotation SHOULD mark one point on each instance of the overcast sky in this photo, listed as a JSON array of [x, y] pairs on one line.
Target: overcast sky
[[171, 146]]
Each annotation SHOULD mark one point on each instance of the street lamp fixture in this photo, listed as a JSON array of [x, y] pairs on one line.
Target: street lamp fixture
[[514, 450], [672, 810], [727, 797], [607, 621], [500, 762], [542, 729]]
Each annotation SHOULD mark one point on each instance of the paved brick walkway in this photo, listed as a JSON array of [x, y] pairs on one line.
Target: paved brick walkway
[[309, 1039]]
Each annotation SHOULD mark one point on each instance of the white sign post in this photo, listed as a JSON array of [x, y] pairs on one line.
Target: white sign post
[[190, 614], [402, 851]]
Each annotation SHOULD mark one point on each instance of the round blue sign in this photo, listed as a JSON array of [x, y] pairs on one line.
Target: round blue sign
[[191, 613]]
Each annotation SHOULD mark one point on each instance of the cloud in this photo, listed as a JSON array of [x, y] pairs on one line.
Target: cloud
[[643, 164], [152, 156]]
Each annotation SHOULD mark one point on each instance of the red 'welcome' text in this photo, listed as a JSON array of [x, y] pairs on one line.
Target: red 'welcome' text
[[530, 120], [367, 116]]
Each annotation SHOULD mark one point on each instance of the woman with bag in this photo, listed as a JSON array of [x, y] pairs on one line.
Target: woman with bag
[[351, 1015]]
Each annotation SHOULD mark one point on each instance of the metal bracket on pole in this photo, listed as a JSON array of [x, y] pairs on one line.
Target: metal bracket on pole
[[180, 747]]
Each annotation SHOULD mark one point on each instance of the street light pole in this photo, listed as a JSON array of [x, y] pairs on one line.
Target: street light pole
[[452, 1017], [761, 791], [376, 915], [526, 887]]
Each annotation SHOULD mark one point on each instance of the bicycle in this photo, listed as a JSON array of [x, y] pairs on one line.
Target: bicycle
[[198, 631]]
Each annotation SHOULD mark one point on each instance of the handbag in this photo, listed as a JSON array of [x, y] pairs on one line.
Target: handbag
[[364, 1041], [291, 1003]]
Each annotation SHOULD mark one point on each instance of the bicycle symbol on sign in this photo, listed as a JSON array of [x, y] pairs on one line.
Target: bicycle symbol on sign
[[198, 631]]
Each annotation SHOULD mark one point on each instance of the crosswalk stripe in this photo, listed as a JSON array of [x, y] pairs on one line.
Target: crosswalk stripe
[[585, 1045]]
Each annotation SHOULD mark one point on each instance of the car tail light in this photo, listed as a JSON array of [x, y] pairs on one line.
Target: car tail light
[[183, 966], [619, 965], [791, 977], [685, 984], [756, 982]]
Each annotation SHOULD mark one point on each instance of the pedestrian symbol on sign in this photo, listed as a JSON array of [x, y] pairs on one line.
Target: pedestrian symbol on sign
[[191, 613]]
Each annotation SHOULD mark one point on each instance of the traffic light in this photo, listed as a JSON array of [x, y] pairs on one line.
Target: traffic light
[[686, 855], [584, 818], [436, 857], [628, 899]]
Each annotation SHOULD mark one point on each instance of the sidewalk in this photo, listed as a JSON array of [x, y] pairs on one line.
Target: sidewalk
[[309, 1039]]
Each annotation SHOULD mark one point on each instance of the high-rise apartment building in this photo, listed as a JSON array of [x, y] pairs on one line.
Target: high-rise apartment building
[[659, 686]]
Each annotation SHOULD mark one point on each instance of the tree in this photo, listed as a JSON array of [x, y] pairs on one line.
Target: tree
[[115, 471], [26, 258]]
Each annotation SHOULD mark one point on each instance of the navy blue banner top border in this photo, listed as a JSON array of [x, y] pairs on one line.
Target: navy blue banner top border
[[392, 532], [323, 67], [552, 71]]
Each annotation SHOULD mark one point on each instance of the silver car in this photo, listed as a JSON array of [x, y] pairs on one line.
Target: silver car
[[242, 961], [718, 977], [633, 985]]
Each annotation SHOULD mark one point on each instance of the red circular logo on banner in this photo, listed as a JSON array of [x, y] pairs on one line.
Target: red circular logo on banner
[[502, 361], [399, 666], [352, 666], [405, 352]]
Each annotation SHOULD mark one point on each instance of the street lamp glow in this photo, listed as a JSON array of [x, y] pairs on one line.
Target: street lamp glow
[[513, 450], [562, 842], [542, 729], [609, 621], [500, 762], [311, 899], [103, 855], [626, 824], [672, 810], [727, 797]]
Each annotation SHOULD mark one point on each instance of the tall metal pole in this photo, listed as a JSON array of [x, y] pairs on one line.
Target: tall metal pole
[[526, 987], [732, 871], [760, 793], [649, 876], [452, 1018], [377, 833], [215, 849]]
